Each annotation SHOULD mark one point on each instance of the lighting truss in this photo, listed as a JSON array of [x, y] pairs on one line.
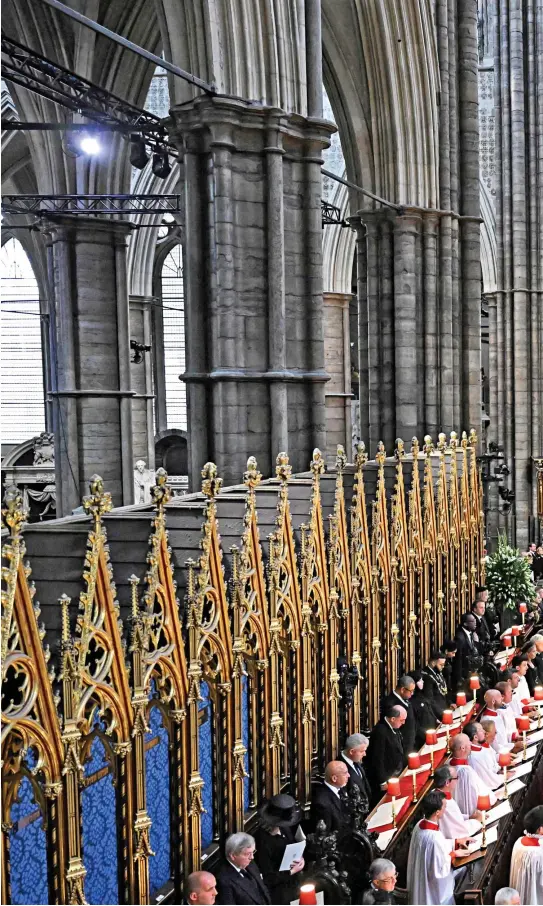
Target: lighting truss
[[89, 204], [31, 70], [331, 215]]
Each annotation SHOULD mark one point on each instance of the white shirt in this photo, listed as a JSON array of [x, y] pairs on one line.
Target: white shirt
[[454, 825], [429, 872], [509, 717], [333, 788], [526, 873]]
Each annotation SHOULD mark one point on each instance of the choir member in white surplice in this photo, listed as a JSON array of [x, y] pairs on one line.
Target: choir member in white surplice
[[483, 759], [492, 711], [469, 786], [453, 824], [510, 712], [521, 666], [527, 859], [430, 877]]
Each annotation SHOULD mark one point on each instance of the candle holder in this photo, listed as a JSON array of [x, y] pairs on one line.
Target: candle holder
[[308, 896], [474, 684], [460, 699], [413, 763], [523, 724], [538, 697], [483, 804], [447, 719], [431, 741], [393, 790], [504, 760], [515, 631], [523, 609]]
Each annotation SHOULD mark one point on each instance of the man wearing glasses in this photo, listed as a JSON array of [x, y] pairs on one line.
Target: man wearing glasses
[[383, 876]]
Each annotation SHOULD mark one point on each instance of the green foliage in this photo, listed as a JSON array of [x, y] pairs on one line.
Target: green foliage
[[508, 576]]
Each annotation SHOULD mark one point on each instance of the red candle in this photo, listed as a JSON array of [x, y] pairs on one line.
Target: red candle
[[447, 717], [515, 630], [538, 694], [523, 723], [507, 641], [474, 682], [413, 761], [460, 699], [504, 759], [308, 895], [523, 607], [393, 786], [483, 803], [431, 737]]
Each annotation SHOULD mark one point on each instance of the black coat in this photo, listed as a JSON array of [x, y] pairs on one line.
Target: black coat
[[532, 677], [327, 807], [425, 717], [371, 895], [358, 778], [409, 729], [483, 633], [539, 667], [234, 889], [463, 662], [270, 849], [385, 757], [537, 567], [433, 685]]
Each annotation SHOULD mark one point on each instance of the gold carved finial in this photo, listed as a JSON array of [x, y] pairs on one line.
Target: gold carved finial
[[428, 444], [415, 447], [464, 443], [381, 455], [399, 452], [442, 442], [134, 582], [14, 513], [283, 469], [341, 459], [252, 477], [317, 463], [453, 442], [473, 438], [161, 492], [99, 501], [361, 456], [64, 602], [211, 485]]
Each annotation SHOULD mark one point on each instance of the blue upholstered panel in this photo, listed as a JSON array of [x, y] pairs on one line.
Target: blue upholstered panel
[[99, 840], [28, 853], [245, 735], [157, 767], [206, 763]]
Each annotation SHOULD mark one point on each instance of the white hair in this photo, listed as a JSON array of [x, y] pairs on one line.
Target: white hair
[[506, 895], [236, 843], [379, 866], [354, 741]]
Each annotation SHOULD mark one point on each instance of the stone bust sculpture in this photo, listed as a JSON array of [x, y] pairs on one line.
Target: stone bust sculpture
[[144, 480]]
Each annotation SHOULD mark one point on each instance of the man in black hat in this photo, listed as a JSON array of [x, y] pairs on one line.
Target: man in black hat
[[279, 825]]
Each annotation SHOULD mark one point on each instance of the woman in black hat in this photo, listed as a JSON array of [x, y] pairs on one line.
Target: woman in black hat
[[279, 820]]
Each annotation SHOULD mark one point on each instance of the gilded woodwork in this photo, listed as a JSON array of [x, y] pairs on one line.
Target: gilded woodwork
[[400, 601], [361, 579]]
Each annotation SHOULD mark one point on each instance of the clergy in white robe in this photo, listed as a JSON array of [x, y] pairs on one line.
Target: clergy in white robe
[[469, 786], [483, 758], [453, 824], [492, 711], [526, 873], [430, 877]]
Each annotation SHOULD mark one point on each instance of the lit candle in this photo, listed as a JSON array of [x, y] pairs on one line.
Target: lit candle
[[538, 693], [308, 895], [504, 760], [393, 790], [515, 631], [431, 740], [507, 641], [523, 608], [460, 699], [413, 763], [474, 684], [483, 804], [523, 724], [447, 717]]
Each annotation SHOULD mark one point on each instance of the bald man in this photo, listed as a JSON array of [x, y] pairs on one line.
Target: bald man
[[492, 711], [483, 758], [469, 786], [201, 888], [328, 802]]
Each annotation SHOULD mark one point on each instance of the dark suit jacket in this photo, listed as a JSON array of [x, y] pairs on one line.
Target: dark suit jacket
[[539, 666], [432, 690], [270, 849], [327, 807], [233, 889], [358, 779], [385, 757], [465, 651], [409, 729]]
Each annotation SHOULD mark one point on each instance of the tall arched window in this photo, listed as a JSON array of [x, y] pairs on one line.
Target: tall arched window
[[23, 409], [173, 303]]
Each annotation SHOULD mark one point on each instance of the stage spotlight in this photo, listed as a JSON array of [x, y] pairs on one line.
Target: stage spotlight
[[90, 145], [138, 154], [161, 164]]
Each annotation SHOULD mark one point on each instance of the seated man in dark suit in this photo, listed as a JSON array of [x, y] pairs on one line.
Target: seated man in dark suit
[[401, 696], [467, 658], [353, 753], [327, 803], [238, 879], [385, 758]]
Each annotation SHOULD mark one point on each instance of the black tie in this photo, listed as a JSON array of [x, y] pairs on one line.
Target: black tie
[[359, 769]]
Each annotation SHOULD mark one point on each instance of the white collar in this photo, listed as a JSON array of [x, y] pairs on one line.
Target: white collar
[[333, 788], [238, 869], [467, 631], [347, 759]]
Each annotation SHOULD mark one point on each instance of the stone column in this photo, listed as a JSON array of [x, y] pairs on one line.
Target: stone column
[[337, 359], [253, 283], [431, 419], [362, 294], [141, 375], [407, 380], [90, 358]]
